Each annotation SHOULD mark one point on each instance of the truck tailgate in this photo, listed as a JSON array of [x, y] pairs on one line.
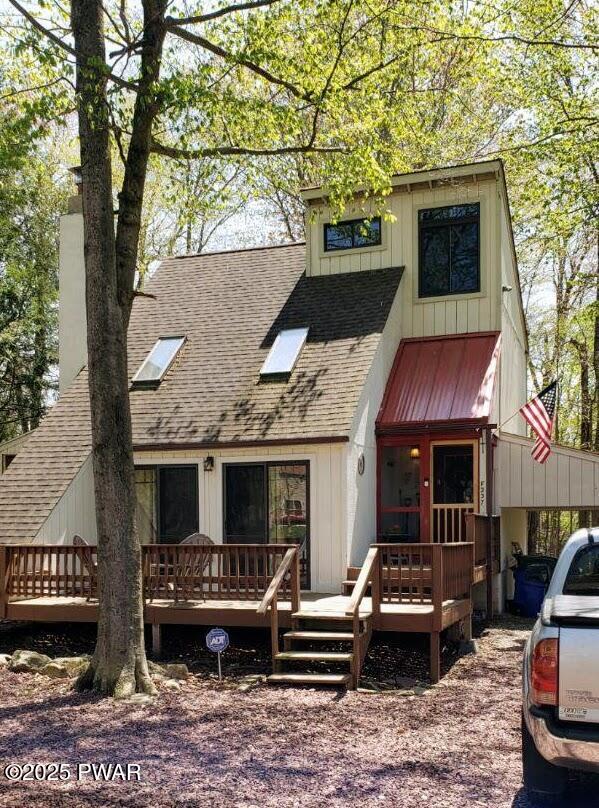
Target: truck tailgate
[[579, 672]]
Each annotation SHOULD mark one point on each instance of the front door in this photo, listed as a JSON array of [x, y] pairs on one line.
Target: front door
[[403, 489], [454, 488]]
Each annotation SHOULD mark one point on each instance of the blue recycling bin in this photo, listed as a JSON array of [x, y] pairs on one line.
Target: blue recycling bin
[[531, 579]]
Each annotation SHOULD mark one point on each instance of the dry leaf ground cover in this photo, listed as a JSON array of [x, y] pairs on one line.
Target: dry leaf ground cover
[[211, 744]]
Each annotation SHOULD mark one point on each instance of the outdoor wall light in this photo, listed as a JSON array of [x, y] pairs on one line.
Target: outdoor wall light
[[415, 452], [209, 463]]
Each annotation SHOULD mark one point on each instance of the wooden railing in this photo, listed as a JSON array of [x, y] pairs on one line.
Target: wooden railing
[[212, 572], [369, 576], [170, 572], [48, 571], [424, 573], [449, 522], [288, 570]]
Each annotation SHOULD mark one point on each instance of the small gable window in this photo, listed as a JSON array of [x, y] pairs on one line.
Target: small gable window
[[449, 250], [158, 361], [284, 352], [352, 234]]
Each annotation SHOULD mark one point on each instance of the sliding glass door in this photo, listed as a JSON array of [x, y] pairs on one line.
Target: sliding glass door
[[268, 503], [167, 507]]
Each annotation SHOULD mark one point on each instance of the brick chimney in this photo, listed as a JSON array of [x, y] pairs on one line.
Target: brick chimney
[[72, 320]]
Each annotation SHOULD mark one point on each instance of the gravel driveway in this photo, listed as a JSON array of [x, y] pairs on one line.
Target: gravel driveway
[[212, 745]]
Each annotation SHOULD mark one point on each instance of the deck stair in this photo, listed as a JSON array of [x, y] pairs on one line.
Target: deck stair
[[306, 649]]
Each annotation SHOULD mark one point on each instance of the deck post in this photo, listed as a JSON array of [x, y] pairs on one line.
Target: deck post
[[489, 538], [435, 656], [437, 586], [295, 583], [156, 639], [375, 590], [3, 596], [274, 631]]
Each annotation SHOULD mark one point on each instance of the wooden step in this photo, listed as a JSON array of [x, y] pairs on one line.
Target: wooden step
[[318, 636], [323, 679], [313, 656], [324, 616]]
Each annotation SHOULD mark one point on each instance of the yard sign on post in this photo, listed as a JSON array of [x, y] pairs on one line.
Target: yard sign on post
[[217, 641]]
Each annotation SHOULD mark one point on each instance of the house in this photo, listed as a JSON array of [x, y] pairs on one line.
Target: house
[[355, 395]]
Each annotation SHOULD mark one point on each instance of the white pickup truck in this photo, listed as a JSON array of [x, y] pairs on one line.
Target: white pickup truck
[[560, 723]]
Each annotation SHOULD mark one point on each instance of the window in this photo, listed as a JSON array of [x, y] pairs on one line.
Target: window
[[158, 361], [267, 503], [167, 503], [400, 493], [352, 234], [284, 353], [449, 261], [583, 575]]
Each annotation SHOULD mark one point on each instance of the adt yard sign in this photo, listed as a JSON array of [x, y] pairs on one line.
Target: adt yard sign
[[217, 641]]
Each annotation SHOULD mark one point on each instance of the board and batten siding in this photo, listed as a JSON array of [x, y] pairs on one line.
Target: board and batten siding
[[512, 366], [457, 314], [74, 513], [569, 478], [328, 559]]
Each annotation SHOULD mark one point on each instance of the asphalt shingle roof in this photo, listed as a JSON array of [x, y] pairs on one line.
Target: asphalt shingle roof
[[230, 306]]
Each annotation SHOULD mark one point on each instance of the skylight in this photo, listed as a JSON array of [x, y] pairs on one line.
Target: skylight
[[158, 360], [285, 351]]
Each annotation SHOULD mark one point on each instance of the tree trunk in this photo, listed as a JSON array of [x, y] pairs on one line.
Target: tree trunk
[[119, 665]]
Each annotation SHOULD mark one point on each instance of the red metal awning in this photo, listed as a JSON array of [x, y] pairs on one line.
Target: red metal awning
[[440, 380]]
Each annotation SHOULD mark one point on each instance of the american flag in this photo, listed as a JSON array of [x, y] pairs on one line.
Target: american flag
[[539, 412]]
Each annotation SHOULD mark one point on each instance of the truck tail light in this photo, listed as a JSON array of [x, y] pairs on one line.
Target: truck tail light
[[545, 670]]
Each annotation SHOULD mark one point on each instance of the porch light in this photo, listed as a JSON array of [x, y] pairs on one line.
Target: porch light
[[415, 452], [209, 463]]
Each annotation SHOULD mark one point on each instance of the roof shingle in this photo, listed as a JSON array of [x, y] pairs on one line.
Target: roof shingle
[[230, 306]]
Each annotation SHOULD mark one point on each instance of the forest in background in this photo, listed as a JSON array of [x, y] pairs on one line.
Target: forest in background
[[478, 91]]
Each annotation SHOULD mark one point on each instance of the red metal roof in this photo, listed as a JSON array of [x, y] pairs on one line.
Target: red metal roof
[[441, 379]]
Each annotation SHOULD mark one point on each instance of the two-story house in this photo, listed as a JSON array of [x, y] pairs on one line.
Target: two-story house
[[357, 389]]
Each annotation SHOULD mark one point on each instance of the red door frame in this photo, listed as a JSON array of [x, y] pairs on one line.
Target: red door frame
[[423, 441]]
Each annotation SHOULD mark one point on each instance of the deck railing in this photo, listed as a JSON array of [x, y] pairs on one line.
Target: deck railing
[[483, 532], [424, 573], [449, 522], [173, 572]]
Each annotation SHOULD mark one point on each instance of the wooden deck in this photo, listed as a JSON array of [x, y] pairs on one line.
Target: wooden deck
[[400, 587]]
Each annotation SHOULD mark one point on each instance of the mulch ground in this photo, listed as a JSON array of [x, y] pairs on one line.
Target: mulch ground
[[210, 744]]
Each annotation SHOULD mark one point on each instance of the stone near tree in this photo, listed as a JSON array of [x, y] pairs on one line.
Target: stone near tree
[[4, 660], [176, 670], [54, 670], [28, 661]]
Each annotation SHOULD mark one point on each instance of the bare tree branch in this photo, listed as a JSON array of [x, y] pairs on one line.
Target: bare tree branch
[[221, 12], [178, 153]]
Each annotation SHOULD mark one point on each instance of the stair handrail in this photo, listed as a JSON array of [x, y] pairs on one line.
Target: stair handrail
[[365, 578], [289, 560]]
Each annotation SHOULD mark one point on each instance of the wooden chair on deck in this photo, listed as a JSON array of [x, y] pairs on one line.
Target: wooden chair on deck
[[87, 564], [193, 570]]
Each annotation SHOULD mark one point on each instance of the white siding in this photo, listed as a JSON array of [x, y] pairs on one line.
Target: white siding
[[361, 489], [328, 559], [74, 512], [569, 479], [513, 333], [455, 315]]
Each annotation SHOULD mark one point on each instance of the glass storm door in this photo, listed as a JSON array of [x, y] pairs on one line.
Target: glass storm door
[[454, 489], [403, 490]]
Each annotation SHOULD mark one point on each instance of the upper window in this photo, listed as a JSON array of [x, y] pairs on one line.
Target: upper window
[[449, 249], [285, 351], [352, 234], [158, 361]]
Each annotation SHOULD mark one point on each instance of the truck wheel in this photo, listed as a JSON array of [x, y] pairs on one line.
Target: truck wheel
[[544, 781]]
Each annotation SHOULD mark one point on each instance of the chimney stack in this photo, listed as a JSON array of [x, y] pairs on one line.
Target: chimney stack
[[72, 319]]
